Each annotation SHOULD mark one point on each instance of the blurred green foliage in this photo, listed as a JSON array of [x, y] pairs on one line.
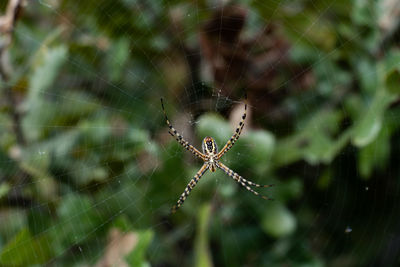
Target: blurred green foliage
[[87, 77]]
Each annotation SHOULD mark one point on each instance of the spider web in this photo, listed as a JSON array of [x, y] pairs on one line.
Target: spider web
[[100, 173]]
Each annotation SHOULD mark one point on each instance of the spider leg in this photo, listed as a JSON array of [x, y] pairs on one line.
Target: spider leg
[[180, 138], [225, 169], [245, 183], [189, 187], [236, 134]]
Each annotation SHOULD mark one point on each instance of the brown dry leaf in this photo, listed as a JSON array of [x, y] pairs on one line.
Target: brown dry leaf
[[257, 63], [389, 17], [8, 20], [119, 126], [147, 161], [119, 245], [221, 47]]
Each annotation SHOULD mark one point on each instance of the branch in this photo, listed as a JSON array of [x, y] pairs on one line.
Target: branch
[[7, 24]]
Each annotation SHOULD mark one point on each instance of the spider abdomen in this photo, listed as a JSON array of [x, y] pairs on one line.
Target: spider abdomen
[[212, 163]]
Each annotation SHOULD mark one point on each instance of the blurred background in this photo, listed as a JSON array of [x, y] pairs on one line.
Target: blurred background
[[89, 173]]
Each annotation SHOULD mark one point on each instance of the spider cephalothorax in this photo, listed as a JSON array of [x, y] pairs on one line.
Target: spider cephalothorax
[[211, 157]]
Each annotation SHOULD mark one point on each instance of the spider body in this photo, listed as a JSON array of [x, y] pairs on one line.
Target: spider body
[[210, 150], [211, 157]]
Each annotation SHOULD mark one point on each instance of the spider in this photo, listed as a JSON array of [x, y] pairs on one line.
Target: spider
[[211, 158]]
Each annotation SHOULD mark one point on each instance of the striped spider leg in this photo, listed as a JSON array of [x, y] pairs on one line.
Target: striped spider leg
[[189, 187], [180, 138], [236, 134], [211, 157], [243, 182]]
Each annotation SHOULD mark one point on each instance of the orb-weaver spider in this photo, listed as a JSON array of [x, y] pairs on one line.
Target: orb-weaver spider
[[211, 158]]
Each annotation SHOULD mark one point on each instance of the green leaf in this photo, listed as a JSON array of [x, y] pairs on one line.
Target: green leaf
[[367, 74], [12, 221], [288, 190], [392, 60], [50, 60], [336, 146], [368, 127], [375, 155], [314, 142], [215, 126], [391, 71], [265, 143], [278, 221], [60, 146], [36, 162], [70, 107], [77, 219], [259, 145], [201, 245], [315, 151], [96, 131], [117, 57], [137, 256], [392, 81], [4, 189], [361, 12], [43, 76], [25, 249], [122, 223], [353, 105]]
